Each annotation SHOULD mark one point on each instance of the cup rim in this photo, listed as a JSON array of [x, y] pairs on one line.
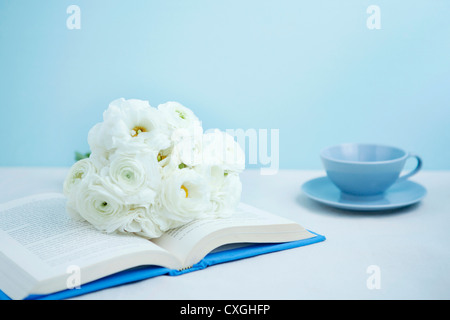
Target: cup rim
[[323, 156]]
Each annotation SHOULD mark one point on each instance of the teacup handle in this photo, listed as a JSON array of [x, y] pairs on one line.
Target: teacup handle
[[414, 171]]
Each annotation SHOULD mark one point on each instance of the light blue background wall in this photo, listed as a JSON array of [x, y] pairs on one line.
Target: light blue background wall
[[311, 69]]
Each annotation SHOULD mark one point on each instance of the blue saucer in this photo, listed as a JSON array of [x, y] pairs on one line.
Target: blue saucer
[[399, 195]]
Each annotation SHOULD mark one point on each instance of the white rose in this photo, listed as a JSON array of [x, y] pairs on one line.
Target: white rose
[[185, 196], [220, 149], [100, 206]]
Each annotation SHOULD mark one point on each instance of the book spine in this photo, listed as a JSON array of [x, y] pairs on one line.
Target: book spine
[[198, 266]]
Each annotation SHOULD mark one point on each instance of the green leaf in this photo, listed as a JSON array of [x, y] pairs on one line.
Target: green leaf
[[79, 156]]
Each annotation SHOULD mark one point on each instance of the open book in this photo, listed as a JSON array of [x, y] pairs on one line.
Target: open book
[[44, 253]]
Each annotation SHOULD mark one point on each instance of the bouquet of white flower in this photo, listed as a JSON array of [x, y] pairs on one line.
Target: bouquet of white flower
[[153, 169]]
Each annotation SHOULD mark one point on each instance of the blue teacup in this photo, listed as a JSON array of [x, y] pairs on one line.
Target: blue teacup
[[366, 169]]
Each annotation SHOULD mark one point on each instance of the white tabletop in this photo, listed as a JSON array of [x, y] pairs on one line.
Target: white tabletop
[[399, 254]]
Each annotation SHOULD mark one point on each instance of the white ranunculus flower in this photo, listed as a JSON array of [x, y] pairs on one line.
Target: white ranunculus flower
[[136, 177], [99, 150], [100, 206], [140, 221], [226, 189], [185, 195], [185, 148], [220, 149], [129, 124], [80, 170], [187, 152], [152, 169], [178, 116]]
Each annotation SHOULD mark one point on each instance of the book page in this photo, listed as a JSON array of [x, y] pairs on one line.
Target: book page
[[247, 224], [39, 236]]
